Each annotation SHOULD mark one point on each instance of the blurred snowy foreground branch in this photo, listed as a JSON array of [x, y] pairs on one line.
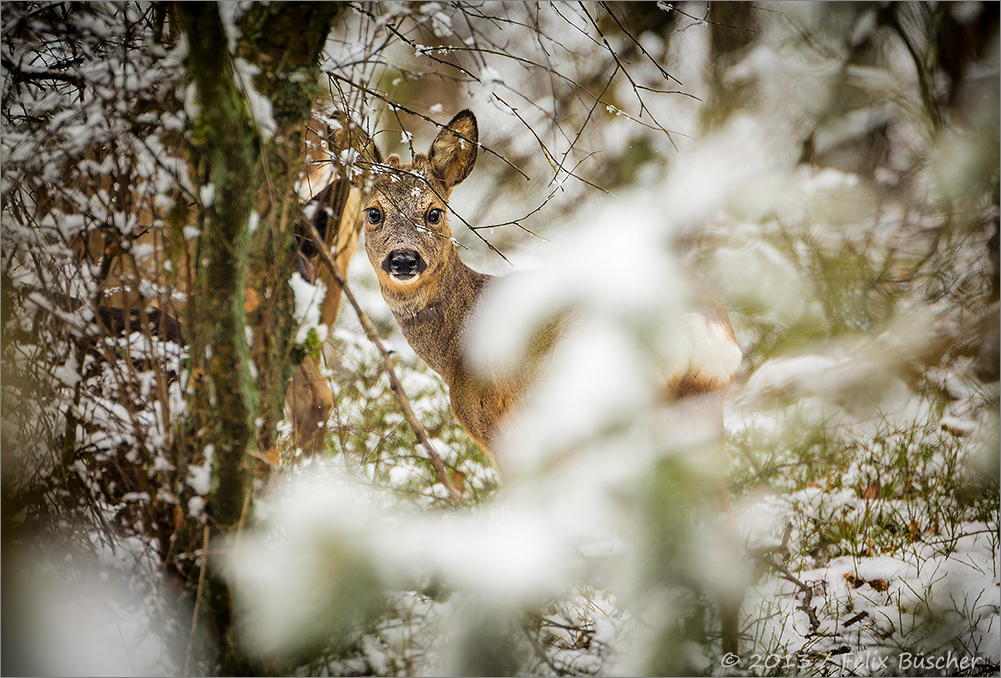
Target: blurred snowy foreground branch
[[605, 485]]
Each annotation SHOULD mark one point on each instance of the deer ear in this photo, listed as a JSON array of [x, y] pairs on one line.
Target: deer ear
[[371, 152], [453, 152]]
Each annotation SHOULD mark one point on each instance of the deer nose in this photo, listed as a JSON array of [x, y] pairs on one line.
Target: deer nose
[[404, 263]]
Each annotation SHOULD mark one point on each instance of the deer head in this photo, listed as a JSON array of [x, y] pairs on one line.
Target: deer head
[[407, 237]]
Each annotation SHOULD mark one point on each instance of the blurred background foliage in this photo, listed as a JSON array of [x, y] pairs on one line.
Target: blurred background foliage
[[830, 169]]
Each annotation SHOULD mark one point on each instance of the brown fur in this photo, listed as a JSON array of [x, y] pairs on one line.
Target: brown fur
[[309, 399], [433, 311]]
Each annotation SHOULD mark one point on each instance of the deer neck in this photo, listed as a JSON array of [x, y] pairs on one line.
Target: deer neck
[[434, 320]]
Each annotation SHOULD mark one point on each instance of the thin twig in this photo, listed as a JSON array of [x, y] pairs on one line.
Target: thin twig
[[243, 520], [537, 649], [409, 111], [626, 32], [198, 600], [807, 590], [387, 360]]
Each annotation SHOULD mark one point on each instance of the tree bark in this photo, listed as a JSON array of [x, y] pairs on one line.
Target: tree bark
[[224, 153], [284, 42], [242, 276]]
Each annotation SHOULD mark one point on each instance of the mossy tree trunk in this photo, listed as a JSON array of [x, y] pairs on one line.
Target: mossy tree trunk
[[242, 275], [284, 42]]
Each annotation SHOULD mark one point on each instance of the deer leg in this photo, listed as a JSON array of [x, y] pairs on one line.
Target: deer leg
[[705, 409], [309, 401]]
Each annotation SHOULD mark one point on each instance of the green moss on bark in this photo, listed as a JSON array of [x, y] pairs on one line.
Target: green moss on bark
[[239, 389], [284, 41], [224, 153]]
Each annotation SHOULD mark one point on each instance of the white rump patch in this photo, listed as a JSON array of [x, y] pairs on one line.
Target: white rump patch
[[704, 348]]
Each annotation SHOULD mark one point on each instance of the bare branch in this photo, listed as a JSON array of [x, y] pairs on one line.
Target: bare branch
[[387, 360]]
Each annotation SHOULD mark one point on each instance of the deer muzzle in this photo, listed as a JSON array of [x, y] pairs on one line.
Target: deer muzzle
[[404, 264]]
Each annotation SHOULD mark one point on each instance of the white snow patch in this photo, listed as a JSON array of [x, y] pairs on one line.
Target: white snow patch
[[308, 298], [260, 105], [207, 194], [200, 475]]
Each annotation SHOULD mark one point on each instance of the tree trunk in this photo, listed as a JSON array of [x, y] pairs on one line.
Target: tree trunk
[[224, 154], [242, 276], [283, 41]]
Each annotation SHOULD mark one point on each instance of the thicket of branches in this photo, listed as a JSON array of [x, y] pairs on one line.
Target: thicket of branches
[[154, 190]]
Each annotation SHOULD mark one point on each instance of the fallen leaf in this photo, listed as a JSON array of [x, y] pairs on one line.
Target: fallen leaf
[[873, 490]]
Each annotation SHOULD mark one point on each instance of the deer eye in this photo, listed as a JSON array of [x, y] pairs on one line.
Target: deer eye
[[434, 216], [374, 215]]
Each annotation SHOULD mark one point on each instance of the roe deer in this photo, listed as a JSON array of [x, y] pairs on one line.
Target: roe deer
[[432, 294], [138, 291]]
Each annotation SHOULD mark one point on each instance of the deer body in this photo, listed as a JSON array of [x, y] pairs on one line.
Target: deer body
[[137, 288], [436, 327], [429, 290]]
